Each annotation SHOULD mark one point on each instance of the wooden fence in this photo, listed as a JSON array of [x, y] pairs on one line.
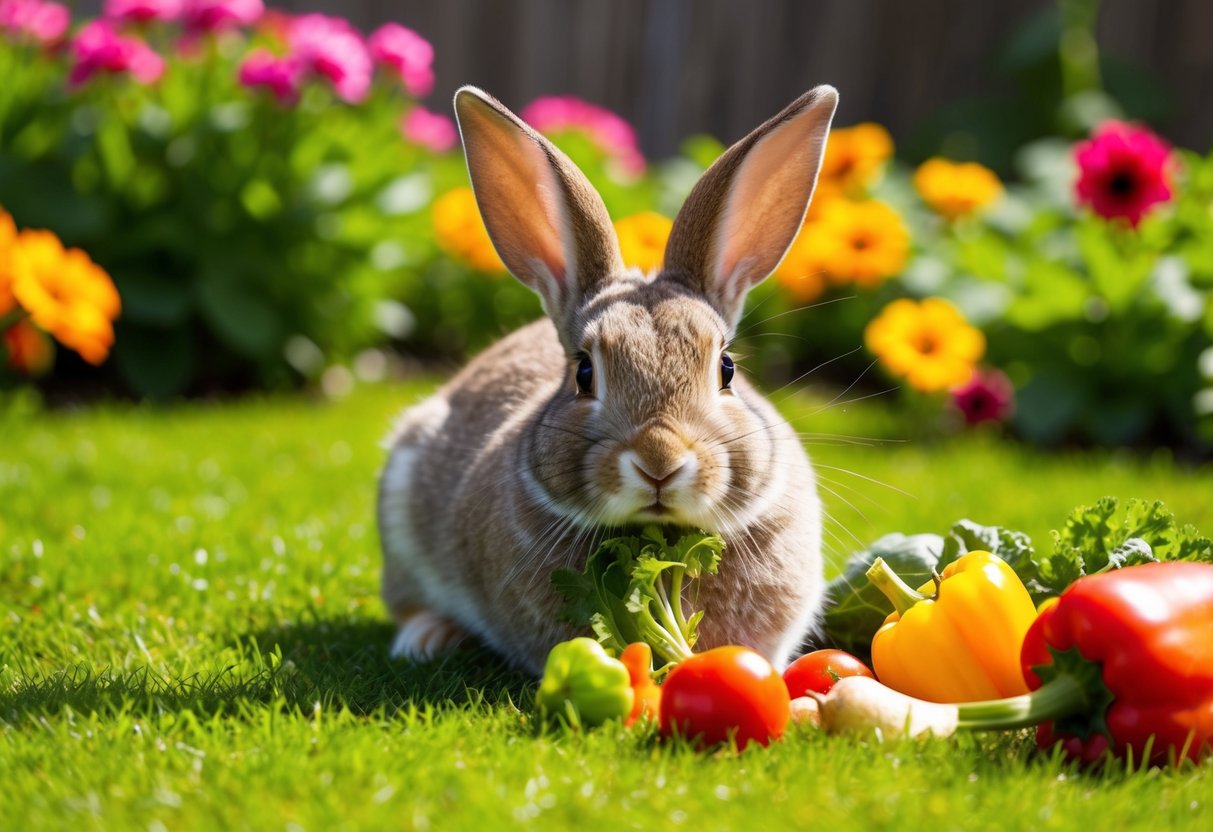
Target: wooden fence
[[677, 67]]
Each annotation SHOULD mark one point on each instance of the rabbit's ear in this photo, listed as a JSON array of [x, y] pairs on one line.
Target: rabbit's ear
[[546, 221], [746, 210]]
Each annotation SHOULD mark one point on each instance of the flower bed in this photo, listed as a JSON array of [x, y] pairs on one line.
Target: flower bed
[[272, 203]]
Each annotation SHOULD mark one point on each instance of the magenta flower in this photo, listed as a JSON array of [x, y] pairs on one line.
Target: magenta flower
[[35, 20], [1123, 171], [281, 75], [142, 11], [331, 47], [433, 131], [987, 397], [99, 48], [407, 53], [217, 15], [554, 114]]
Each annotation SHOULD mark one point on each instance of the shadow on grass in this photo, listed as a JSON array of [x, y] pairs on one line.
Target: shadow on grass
[[339, 663]]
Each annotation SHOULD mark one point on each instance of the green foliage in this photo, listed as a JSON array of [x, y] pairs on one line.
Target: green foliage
[[631, 590], [1093, 539], [230, 224]]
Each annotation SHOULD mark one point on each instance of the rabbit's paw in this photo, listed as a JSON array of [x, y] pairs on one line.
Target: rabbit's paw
[[424, 635]]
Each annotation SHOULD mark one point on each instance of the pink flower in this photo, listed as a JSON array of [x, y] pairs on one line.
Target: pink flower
[[987, 396], [42, 22], [141, 11], [430, 130], [1123, 171], [406, 52], [99, 48], [217, 15], [281, 75], [554, 114], [331, 47]]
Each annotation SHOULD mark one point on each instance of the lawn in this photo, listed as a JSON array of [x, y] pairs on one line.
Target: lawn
[[192, 639]]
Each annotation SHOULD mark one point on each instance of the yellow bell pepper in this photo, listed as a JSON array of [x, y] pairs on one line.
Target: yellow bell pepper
[[956, 639]]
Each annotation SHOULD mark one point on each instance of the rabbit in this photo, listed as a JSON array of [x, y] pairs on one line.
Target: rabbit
[[620, 408]]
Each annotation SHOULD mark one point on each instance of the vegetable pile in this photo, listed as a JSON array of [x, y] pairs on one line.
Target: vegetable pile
[[1118, 662]]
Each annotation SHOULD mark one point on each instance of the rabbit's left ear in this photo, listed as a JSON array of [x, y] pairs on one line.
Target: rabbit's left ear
[[744, 213]]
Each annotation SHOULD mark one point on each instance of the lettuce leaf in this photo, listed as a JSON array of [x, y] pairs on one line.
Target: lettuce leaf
[[632, 590]]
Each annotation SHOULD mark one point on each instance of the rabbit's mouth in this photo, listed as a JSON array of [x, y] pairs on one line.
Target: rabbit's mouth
[[657, 510]]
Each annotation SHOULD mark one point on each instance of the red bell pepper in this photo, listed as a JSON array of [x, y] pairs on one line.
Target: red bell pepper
[[1140, 642]]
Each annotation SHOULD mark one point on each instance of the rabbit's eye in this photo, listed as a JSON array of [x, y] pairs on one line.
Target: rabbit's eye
[[726, 371], [585, 375]]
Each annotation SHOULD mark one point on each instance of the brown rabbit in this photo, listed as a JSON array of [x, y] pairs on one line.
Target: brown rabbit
[[621, 407]]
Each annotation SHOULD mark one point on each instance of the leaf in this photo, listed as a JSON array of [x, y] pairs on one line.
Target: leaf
[[1056, 572], [153, 299], [1049, 406], [1012, 546], [156, 362], [699, 552], [626, 591], [1189, 544], [1130, 553], [239, 316]]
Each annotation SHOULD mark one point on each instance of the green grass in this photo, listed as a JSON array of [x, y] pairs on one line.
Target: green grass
[[190, 638]]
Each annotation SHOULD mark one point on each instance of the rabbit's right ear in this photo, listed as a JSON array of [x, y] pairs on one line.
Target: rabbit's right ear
[[745, 211], [546, 221]]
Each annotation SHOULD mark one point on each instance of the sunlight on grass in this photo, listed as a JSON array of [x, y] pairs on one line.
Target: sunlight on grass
[[192, 636]]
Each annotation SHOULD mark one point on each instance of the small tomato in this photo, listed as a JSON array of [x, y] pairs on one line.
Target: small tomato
[[579, 674], [722, 694], [819, 670]]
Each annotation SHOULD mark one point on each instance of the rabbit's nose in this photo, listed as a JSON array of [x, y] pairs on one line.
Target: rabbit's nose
[[658, 480]]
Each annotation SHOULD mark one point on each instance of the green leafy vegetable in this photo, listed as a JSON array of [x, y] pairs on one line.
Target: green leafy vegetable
[[631, 590], [1106, 535], [857, 607]]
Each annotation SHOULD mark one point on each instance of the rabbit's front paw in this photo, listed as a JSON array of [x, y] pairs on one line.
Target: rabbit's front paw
[[424, 635]]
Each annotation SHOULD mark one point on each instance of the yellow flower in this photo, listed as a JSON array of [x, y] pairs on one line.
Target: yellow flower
[[855, 156], [956, 189], [642, 239], [827, 191], [859, 242], [801, 271], [930, 344], [461, 233], [65, 293], [8, 241]]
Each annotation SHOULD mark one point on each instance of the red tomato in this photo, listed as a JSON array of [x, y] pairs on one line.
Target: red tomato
[[811, 672], [728, 692]]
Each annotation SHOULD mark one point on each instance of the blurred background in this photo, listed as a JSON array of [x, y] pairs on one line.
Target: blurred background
[[1013, 231], [924, 69]]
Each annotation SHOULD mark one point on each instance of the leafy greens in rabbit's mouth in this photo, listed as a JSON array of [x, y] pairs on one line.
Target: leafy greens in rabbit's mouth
[[632, 590]]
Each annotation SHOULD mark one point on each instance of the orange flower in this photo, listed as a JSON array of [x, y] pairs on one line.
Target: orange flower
[[855, 156], [460, 231], [930, 344], [827, 191], [642, 239], [802, 271], [29, 350], [65, 293], [8, 241], [954, 189], [859, 242]]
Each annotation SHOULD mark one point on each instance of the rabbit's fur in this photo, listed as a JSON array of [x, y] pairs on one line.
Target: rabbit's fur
[[510, 471]]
